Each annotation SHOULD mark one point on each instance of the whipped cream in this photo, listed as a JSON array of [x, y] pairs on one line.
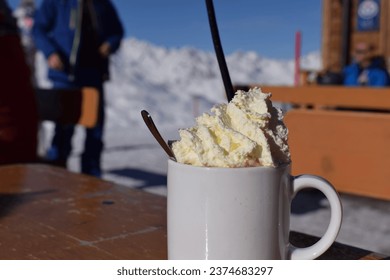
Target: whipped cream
[[248, 131]]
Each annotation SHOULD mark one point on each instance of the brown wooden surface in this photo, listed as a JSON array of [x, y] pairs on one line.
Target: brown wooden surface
[[384, 46], [50, 213], [350, 149], [331, 34]]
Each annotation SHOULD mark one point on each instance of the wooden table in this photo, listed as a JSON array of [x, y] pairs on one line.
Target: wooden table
[[50, 213]]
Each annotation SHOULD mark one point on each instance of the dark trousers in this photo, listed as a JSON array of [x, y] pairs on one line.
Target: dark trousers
[[93, 145]]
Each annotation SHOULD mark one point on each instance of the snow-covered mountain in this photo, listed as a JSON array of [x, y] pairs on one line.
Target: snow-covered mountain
[[174, 84]]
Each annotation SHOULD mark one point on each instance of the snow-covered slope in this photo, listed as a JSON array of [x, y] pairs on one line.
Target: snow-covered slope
[[174, 84]]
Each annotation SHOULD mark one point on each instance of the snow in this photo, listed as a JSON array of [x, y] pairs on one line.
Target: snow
[[167, 82]]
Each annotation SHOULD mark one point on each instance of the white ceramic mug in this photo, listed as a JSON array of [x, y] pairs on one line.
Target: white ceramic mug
[[240, 213]]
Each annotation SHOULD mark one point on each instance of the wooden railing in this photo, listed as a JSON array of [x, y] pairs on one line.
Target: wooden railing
[[342, 134], [333, 96]]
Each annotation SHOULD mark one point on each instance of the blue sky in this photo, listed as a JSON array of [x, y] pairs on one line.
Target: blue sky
[[264, 26]]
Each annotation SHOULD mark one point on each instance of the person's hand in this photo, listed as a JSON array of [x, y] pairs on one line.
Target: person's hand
[[54, 62], [105, 49]]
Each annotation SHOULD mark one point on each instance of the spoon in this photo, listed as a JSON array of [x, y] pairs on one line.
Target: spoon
[[153, 129]]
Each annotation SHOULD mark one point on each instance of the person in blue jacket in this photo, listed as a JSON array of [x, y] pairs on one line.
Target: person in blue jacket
[[77, 37], [366, 70]]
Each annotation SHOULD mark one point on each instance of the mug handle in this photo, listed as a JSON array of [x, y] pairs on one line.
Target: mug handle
[[315, 182]]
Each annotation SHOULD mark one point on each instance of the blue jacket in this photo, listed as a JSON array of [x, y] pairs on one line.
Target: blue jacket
[[377, 76], [57, 29]]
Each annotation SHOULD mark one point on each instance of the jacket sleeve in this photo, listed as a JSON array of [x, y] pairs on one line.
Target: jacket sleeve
[[43, 24], [350, 75], [115, 28], [379, 78]]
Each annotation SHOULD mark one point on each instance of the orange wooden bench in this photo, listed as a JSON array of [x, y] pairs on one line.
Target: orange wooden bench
[[340, 133]]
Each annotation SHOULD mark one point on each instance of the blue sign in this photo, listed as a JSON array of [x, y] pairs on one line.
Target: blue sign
[[368, 15]]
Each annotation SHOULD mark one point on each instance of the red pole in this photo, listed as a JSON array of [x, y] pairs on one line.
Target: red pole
[[298, 41]]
